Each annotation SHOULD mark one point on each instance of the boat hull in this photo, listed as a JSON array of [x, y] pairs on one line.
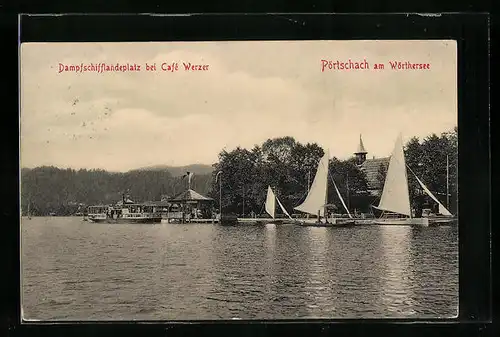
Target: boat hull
[[257, 221], [363, 222], [423, 222], [435, 222], [330, 223]]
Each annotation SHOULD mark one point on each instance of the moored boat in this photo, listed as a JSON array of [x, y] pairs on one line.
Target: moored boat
[[442, 220], [395, 199], [126, 213], [317, 197], [333, 222], [258, 221], [402, 221], [270, 207]]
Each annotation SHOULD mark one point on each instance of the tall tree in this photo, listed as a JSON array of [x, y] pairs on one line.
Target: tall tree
[[282, 163], [433, 160]]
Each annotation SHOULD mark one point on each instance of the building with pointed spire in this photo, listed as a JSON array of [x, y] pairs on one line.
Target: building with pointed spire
[[374, 169], [361, 152]]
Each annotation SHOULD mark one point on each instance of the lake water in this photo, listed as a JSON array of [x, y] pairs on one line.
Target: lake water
[[76, 270]]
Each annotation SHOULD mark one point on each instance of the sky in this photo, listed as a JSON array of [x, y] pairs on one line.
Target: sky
[[251, 91]]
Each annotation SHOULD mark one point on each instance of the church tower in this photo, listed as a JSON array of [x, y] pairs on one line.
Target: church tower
[[361, 152]]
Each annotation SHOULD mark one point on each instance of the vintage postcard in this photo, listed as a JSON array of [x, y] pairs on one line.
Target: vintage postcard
[[254, 180]]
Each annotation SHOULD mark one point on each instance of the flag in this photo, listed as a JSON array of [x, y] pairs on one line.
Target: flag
[[189, 175]]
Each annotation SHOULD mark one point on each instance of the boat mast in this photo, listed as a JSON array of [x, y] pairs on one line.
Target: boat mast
[[243, 200], [218, 176], [308, 186], [407, 181], [348, 196], [325, 214], [308, 181], [447, 183]]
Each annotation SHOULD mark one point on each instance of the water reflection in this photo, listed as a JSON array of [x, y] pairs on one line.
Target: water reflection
[[321, 279], [435, 266], [240, 274], [397, 292], [290, 262], [78, 270], [350, 271], [181, 245], [270, 249]]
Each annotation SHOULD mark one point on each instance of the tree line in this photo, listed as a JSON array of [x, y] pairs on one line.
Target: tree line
[[49, 189], [289, 168], [285, 164], [434, 160]]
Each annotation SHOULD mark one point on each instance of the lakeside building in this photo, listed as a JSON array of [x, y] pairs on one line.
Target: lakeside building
[[189, 206], [374, 169]]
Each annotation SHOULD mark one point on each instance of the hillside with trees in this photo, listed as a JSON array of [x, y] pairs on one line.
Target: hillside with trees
[[198, 169], [66, 191]]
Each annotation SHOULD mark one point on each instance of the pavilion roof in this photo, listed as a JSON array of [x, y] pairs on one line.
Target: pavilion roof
[[190, 195]]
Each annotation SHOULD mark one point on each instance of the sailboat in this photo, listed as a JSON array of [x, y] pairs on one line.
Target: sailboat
[[395, 198], [270, 207], [445, 216], [271, 200], [317, 199]]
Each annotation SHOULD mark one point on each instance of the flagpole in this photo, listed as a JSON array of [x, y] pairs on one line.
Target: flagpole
[[308, 186], [348, 195], [243, 200], [308, 181], [447, 183], [218, 176]]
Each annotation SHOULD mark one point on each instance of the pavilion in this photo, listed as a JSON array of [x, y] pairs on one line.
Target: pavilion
[[190, 206]]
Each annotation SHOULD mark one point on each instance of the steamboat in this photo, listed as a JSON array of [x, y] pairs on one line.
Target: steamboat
[[125, 211]]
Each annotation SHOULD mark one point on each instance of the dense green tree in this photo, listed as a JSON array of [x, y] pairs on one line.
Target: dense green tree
[[350, 181], [238, 168], [284, 164], [435, 164], [434, 161]]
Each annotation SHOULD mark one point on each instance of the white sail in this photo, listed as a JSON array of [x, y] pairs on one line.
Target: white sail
[[317, 196], [395, 195], [341, 199], [283, 208], [442, 209], [270, 202]]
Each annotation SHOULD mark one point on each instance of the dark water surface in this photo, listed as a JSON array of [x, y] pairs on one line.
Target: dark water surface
[[75, 270]]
